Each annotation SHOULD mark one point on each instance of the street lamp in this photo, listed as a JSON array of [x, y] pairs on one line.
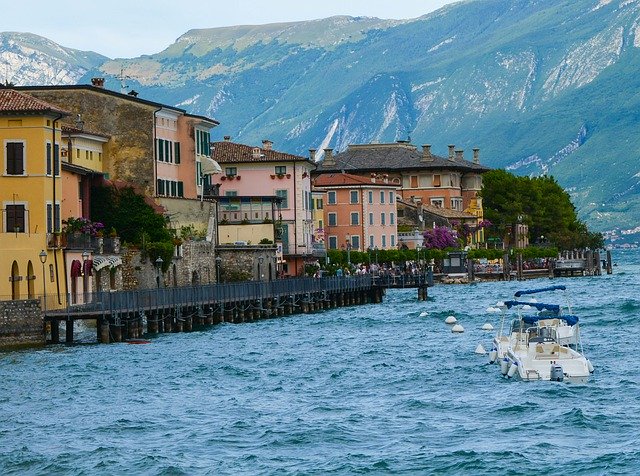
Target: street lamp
[[159, 262], [43, 260], [218, 263], [349, 250]]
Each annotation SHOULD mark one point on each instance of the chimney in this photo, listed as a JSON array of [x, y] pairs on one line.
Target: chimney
[[227, 138], [328, 158], [476, 155], [97, 82], [426, 153], [312, 155], [267, 144], [256, 153], [451, 152], [459, 155]]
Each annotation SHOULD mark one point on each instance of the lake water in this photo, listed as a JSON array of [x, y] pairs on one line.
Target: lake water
[[371, 389]]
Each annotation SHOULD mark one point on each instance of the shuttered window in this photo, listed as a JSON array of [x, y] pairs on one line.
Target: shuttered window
[[56, 159], [15, 158], [15, 218], [176, 155]]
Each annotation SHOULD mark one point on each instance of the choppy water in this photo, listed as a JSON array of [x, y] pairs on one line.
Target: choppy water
[[371, 389]]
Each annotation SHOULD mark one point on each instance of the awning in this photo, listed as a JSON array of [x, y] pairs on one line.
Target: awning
[[88, 267], [114, 261], [76, 268], [210, 166], [100, 262]]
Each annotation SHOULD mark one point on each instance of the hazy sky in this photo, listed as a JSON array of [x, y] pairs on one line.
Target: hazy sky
[[128, 28]]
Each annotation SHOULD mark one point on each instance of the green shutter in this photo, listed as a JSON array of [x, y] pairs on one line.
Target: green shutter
[[180, 189], [177, 152]]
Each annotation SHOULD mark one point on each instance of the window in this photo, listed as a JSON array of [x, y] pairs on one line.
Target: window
[[283, 195], [14, 153], [174, 189], [319, 204], [51, 220], [180, 189], [231, 193], [370, 197], [355, 242], [381, 196], [231, 171], [281, 169], [15, 221], [355, 218], [436, 180], [371, 241], [353, 194], [384, 241], [383, 219], [333, 242], [390, 197], [456, 204], [392, 218], [437, 202], [160, 150], [370, 218], [160, 187], [202, 143], [331, 196], [332, 219], [413, 181], [176, 154], [393, 240], [56, 155]]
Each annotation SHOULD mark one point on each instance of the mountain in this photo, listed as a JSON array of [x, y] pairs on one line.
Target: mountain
[[541, 86], [31, 59]]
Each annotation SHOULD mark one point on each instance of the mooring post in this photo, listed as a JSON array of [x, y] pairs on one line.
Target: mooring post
[[609, 266]]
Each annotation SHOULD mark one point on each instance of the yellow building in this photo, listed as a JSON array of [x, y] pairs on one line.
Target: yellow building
[[30, 195]]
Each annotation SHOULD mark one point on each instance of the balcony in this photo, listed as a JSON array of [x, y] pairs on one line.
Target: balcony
[[96, 244]]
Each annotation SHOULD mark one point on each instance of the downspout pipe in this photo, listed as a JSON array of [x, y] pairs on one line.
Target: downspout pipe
[[53, 201], [155, 153]]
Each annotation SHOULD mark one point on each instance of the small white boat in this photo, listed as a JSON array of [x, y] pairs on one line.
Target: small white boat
[[541, 346]]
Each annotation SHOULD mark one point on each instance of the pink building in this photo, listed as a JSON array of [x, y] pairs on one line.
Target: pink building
[[262, 171]]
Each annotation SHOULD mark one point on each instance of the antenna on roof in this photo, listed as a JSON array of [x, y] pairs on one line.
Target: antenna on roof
[[123, 85]]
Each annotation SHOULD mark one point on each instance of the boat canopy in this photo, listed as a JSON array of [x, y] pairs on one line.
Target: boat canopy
[[570, 319], [541, 290], [540, 306]]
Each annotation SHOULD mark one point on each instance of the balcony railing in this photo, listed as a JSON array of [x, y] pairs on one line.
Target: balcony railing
[[96, 244]]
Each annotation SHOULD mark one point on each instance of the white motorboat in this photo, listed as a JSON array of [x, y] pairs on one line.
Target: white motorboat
[[541, 346]]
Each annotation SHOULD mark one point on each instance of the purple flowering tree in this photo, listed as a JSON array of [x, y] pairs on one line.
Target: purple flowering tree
[[440, 238]]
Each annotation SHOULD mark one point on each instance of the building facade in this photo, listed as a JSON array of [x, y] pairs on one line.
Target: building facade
[[359, 213], [262, 171]]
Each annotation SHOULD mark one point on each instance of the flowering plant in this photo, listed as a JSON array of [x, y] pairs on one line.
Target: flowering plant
[[82, 225], [440, 237]]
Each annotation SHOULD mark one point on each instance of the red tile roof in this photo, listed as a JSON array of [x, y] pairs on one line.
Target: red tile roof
[[338, 179], [12, 101], [230, 152]]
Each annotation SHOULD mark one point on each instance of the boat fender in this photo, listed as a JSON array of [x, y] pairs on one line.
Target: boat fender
[[480, 350], [504, 366], [450, 320], [590, 366], [556, 374], [512, 370], [487, 327], [493, 355], [457, 328]]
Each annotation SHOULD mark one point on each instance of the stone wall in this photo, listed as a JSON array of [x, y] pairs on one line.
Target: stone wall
[[195, 265], [244, 261], [21, 323]]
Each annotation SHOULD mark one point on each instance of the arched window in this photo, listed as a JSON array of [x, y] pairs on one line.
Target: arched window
[[15, 281], [31, 279]]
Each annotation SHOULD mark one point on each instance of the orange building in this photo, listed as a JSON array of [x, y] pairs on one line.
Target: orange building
[[359, 213]]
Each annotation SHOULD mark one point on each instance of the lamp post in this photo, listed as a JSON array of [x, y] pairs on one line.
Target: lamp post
[[349, 250], [159, 262], [85, 257], [43, 260], [218, 264], [260, 260]]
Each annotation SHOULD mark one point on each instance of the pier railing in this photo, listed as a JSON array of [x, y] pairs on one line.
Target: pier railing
[[170, 297]]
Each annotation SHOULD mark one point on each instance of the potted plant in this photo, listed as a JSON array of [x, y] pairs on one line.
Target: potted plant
[[288, 175], [224, 177]]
